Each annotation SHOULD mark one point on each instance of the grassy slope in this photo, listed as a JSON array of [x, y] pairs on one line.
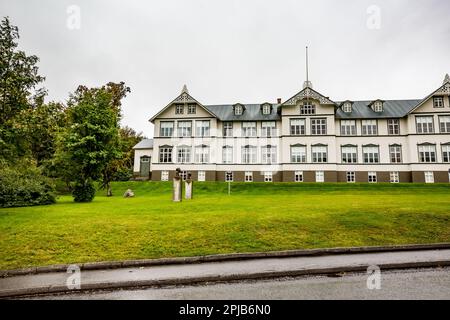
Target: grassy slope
[[256, 217]]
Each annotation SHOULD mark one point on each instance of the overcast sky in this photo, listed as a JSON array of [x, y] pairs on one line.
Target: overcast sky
[[227, 51]]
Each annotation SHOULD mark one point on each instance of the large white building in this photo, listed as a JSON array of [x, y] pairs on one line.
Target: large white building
[[307, 138]]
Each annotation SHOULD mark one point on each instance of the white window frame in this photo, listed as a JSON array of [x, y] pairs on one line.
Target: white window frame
[[229, 176], [202, 154], [427, 153], [192, 108], [298, 154], [349, 154], [268, 176], [266, 109], [438, 102], [238, 110], [393, 127], [249, 154], [372, 177], [165, 154], [164, 175], [179, 109], [347, 107], [320, 176], [307, 108], [202, 128], [378, 106], [395, 153], [351, 176], [373, 154], [298, 176], [318, 126], [348, 127], [445, 153], [268, 128], [319, 154], [166, 128], [444, 124], [425, 124], [394, 177], [429, 176], [184, 128], [228, 129], [297, 127], [248, 177], [201, 175], [269, 154], [184, 154], [227, 154], [249, 129], [369, 127]]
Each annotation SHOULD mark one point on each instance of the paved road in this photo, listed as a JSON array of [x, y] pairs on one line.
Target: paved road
[[400, 284], [234, 269]]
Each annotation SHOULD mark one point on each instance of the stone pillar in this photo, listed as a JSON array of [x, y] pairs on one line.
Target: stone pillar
[[188, 187], [177, 187]]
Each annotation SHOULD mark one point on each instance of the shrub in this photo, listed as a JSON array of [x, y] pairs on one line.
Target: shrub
[[83, 191], [24, 186]]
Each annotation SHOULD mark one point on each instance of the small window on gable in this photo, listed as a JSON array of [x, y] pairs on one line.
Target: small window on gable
[[377, 106], [179, 109], [438, 102], [347, 107], [192, 109], [238, 109], [266, 109]]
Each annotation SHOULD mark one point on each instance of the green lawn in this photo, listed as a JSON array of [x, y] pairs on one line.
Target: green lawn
[[256, 217]]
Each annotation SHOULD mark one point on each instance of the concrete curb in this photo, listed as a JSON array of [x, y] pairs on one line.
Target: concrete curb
[[222, 257], [218, 278]]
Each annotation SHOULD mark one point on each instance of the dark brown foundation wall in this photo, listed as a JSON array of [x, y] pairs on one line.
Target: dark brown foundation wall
[[310, 176]]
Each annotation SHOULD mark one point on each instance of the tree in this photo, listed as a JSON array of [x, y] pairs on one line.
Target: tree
[[90, 141], [18, 80]]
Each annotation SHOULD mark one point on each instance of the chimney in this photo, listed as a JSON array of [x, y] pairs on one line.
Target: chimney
[[279, 100]]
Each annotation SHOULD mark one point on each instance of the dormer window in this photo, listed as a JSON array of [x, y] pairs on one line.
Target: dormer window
[[266, 109], [347, 107], [238, 109], [377, 106], [438, 102]]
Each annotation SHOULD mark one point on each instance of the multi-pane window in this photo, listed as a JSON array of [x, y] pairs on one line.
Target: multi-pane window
[[202, 154], [395, 153], [444, 124], [201, 176], [372, 176], [249, 154], [394, 177], [228, 129], [349, 154], [238, 110], [348, 127], [266, 109], [268, 128], [424, 124], [227, 154], [164, 175], [347, 107], [298, 176], [377, 106], [184, 128], [248, 176], [165, 154], [393, 126], [183, 175], [229, 176], [429, 176], [427, 153], [202, 128], [166, 128], [184, 154], [268, 176], [298, 154], [351, 176], [179, 109], [249, 129], [369, 127], [320, 177], [192, 109], [438, 102], [319, 126], [319, 153], [269, 154], [371, 154], [445, 153], [307, 108], [297, 127]]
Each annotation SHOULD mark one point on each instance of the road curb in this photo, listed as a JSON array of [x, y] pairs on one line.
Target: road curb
[[223, 257], [12, 293]]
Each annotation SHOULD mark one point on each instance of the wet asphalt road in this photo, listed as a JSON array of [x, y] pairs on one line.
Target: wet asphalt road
[[399, 284]]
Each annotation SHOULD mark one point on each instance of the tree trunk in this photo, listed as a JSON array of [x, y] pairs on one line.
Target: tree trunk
[[108, 190]]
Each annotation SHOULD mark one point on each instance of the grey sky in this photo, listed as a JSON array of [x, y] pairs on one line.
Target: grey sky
[[246, 51]]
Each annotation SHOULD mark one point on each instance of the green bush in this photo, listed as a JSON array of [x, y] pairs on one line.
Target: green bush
[[24, 186], [83, 192]]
